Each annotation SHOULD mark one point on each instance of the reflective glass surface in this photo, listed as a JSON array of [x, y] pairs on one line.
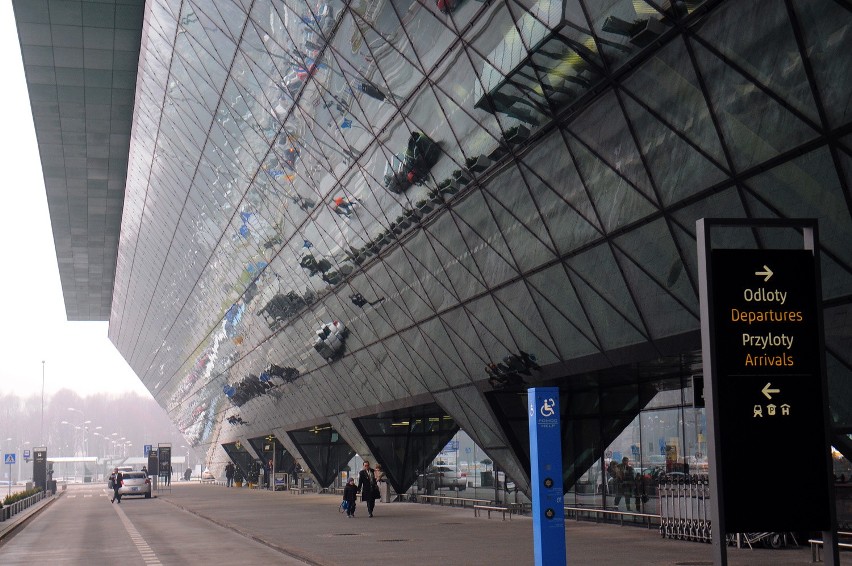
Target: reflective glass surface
[[335, 205]]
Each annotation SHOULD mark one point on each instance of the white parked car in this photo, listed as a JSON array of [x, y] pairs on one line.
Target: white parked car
[[443, 476], [135, 483]]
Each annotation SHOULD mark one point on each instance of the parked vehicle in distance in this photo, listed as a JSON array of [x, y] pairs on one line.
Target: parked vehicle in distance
[[411, 166], [135, 483], [330, 340], [443, 476]]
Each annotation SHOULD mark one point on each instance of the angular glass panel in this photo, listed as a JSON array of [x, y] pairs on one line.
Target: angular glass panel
[[211, 35], [603, 129], [499, 52], [430, 274], [560, 194], [767, 51], [516, 215], [490, 253], [430, 35], [421, 154], [390, 64], [755, 126], [667, 84], [679, 169], [356, 79], [407, 284], [792, 189], [442, 348], [423, 359], [624, 27], [529, 331], [383, 286], [467, 406], [725, 204], [560, 69], [493, 332], [616, 201], [455, 86], [599, 270], [404, 366], [652, 249], [564, 315], [610, 326], [663, 315], [456, 262], [827, 27], [464, 335]]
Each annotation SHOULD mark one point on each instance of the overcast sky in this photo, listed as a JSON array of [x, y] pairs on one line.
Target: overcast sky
[[77, 355]]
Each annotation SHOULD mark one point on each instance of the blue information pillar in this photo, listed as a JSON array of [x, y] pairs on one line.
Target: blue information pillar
[[546, 466]]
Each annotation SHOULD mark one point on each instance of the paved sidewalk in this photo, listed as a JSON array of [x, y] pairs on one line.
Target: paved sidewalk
[[310, 527], [8, 527]]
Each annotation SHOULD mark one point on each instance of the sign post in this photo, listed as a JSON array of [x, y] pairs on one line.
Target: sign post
[[546, 467], [164, 455], [9, 459], [40, 467], [761, 325]]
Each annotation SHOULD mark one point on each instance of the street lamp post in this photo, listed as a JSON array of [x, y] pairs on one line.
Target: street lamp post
[[41, 433], [85, 445], [8, 443]]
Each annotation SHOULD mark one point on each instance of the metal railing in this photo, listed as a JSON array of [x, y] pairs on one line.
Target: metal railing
[[612, 514], [9, 511]]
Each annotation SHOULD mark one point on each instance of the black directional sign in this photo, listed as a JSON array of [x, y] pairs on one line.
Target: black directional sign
[[769, 388]]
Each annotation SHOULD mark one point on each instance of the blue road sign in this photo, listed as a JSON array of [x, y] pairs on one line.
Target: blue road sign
[[9, 459], [147, 449], [27, 455]]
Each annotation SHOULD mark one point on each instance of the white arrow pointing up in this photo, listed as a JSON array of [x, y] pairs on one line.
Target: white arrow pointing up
[[767, 272]]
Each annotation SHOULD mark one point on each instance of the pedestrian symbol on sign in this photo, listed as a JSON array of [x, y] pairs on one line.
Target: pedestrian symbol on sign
[[9, 459]]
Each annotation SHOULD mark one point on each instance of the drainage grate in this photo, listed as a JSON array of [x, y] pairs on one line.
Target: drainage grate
[[702, 563], [394, 540], [346, 534]]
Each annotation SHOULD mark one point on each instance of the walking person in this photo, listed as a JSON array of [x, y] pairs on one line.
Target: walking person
[[350, 495], [229, 474], [368, 487], [626, 482], [116, 480]]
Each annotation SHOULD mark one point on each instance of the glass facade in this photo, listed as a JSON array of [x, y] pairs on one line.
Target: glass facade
[[339, 209]]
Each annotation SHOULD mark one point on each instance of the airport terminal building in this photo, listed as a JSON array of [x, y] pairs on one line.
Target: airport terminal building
[[321, 229]]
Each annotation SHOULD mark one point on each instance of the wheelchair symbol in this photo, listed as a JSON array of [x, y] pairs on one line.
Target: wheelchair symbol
[[547, 408]]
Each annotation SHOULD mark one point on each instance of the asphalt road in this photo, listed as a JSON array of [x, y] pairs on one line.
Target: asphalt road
[[83, 527]]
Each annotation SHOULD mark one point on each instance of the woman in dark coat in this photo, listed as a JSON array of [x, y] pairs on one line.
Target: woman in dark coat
[[368, 487]]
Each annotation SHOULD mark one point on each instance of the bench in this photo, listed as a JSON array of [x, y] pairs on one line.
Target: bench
[[816, 545], [611, 512], [452, 500], [463, 501], [489, 508], [432, 498], [519, 508]]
